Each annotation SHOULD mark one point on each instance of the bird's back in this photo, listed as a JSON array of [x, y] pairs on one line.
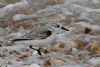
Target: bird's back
[[35, 34]]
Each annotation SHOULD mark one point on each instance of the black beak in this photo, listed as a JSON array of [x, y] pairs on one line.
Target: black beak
[[64, 28]]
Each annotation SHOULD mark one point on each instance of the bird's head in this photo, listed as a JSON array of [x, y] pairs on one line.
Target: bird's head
[[56, 27]]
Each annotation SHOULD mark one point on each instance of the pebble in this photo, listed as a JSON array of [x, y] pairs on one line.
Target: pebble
[[95, 61], [34, 65]]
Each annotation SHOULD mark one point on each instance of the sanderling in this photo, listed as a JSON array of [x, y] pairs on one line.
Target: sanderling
[[41, 35]]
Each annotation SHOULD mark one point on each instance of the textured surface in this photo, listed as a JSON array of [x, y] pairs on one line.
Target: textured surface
[[78, 47]]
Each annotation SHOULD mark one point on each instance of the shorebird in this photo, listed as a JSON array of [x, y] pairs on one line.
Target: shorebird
[[41, 35]]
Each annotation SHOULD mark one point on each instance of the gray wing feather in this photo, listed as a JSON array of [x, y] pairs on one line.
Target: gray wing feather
[[36, 33]]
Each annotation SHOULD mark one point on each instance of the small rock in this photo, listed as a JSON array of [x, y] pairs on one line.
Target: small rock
[[34, 65], [59, 47], [95, 61], [35, 53], [75, 65], [23, 56], [45, 50], [47, 63]]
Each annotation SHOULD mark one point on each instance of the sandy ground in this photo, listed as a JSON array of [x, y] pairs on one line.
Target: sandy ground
[[78, 47]]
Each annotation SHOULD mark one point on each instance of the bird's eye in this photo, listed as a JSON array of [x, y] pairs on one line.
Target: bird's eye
[[57, 26]]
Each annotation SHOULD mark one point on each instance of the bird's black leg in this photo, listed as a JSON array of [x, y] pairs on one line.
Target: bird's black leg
[[38, 50]]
